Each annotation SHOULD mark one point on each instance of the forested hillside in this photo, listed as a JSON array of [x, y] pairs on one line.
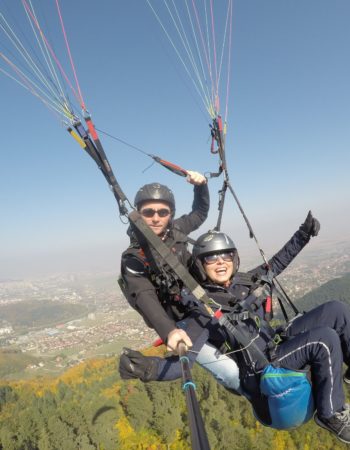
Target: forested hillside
[[337, 289], [89, 407]]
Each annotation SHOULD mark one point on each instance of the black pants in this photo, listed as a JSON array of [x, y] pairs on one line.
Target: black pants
[[320, 339]]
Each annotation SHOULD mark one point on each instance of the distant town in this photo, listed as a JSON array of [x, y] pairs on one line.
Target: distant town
[[109, 323]]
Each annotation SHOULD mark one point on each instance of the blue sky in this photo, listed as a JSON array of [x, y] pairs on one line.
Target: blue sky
[[287, 143]]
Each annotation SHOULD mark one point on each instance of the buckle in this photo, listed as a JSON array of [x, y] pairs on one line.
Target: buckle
[[277, 339], [239, 316]]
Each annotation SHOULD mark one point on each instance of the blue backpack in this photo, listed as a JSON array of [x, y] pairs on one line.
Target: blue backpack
[[289, 396]]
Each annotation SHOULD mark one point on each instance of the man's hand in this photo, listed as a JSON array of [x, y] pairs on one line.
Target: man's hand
[[311, 226], [195, 178], [174, 337]]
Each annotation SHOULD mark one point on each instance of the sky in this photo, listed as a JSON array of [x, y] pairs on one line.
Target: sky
[[287, 144]]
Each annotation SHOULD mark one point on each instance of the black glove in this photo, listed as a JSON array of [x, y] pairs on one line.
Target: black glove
[[134, 364], [311, 226]]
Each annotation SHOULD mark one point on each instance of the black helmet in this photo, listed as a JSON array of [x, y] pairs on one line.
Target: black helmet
[[155, 191], [212, 242]]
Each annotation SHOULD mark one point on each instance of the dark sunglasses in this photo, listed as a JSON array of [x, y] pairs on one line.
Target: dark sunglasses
[[212, 259], [150, 212]]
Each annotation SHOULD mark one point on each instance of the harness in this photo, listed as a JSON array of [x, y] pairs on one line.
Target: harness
[[166, 282], [281, 398], [245, 326]]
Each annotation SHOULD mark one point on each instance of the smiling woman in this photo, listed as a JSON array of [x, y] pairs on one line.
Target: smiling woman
[[219, 268], [217, 254]]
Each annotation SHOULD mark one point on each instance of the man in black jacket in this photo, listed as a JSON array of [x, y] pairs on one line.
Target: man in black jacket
[[152, 293]]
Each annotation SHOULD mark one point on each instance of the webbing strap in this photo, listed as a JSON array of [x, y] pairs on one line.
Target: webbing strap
[[222, 196], [283, 294], [249, 310], [244, 340], [95, 150], [283, 309], [146, 237]]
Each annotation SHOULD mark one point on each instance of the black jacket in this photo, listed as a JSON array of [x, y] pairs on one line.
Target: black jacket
[[239, 289], [143, 287]]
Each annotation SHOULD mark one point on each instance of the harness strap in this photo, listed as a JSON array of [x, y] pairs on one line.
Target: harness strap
[[283, 309], [282, 294], [240, 316], [149, 240], [243, 339]]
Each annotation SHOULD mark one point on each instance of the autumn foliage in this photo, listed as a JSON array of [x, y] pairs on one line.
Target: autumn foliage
[[89, 407]]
